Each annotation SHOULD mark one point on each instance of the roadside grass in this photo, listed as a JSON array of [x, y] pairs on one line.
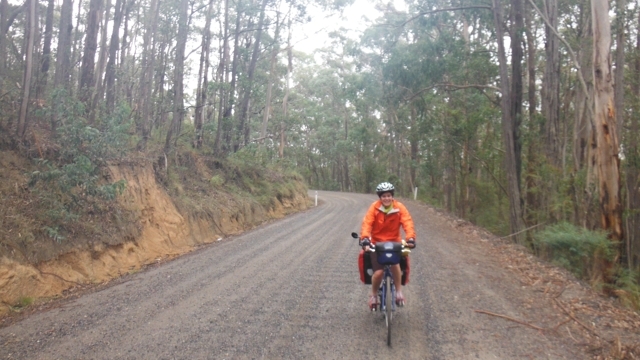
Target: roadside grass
[[22, 303]]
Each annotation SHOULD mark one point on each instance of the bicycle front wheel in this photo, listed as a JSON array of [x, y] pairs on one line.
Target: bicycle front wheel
[[388, 308]]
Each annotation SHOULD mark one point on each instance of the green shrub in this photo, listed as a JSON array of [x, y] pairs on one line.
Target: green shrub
[[23, 302], [71, 183], [628, 288], [53, 233], [216, 181], [574, 248]]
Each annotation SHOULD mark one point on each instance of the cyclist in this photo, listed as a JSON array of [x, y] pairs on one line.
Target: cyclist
[[382, 223]]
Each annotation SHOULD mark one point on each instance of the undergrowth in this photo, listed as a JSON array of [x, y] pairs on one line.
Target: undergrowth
[[70, 183], [580, 251]]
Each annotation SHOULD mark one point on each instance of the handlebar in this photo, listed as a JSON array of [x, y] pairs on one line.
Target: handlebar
[[372, 247]]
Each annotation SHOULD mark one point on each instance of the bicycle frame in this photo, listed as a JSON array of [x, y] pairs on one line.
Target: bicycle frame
[[382, 292]]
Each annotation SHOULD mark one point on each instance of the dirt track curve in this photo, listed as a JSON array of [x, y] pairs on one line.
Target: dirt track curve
[[290, 289]]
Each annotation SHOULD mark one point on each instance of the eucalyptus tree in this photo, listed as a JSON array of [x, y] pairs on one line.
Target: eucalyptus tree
[[87, 69], [178, 74], [114, 46], [631, 140], [4, 14], [551, 83], [607, 158], [28, 68], [203, 80], [147, 65], [45, 62]]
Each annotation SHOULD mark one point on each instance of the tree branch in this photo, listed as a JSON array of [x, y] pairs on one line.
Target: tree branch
[[471, 86], [574, 58], [443, 10], [484, 163], [479, 87]]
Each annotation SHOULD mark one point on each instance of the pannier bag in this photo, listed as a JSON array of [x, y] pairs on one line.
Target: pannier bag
[[366, 269]]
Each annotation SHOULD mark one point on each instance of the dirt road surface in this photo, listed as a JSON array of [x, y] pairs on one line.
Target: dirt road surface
[[290, 289]]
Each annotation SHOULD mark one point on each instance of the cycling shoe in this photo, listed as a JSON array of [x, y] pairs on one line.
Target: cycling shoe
[[373, 303], [399, 299]]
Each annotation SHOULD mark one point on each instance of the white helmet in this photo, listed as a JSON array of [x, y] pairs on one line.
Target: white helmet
[[385, 187]]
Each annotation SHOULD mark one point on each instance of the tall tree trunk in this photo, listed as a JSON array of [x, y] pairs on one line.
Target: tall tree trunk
[[226, 98], [551, 85], [619, 73], [63, 58], [110, 71], [515, 210], [517, 29], [4, 13], [619, 78], [102, 61], [532, 197], [607, 159], [201, 91], [270, 81], [178, 74], [243, 126], [633, 168], [146, 80], [125, 34], [28, 67], [583, 132], [413, 146], [285, 100], [77, 38], [46, 51], [87, 68]]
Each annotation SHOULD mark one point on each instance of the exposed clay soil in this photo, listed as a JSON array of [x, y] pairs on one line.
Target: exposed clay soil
[[290, 289], [159, 229]]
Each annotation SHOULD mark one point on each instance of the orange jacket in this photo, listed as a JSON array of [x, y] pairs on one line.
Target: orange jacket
[[379, 226]]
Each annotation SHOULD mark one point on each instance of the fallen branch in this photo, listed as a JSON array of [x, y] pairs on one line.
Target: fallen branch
[[571, 336], [575, 319], [521, 231], [511, 319], [555, 328]]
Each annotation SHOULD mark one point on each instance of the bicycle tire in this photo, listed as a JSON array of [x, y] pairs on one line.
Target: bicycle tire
[[388, 306]]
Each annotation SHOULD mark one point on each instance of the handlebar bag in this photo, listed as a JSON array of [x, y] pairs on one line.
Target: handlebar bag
[[366, 269], [389, 252]]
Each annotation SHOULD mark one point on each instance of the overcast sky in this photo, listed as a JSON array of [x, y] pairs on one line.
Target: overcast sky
[[314, 34]]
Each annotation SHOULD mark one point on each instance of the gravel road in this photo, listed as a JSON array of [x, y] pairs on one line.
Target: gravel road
[[290, 289]]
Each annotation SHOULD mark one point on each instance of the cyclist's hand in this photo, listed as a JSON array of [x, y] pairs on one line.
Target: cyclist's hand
[[365, 243], [411, 243]]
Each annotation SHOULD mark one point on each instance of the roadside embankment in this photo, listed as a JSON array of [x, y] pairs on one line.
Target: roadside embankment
[[159, 225]]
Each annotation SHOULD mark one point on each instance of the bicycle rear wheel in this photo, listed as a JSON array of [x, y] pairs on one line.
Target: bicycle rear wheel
[[388, 308]]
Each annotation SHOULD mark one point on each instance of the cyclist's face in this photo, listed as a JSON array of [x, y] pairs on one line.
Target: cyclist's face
[[386, 199]]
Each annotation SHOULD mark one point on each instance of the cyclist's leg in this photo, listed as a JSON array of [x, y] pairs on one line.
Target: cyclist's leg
[[376, 278], [396, 272]]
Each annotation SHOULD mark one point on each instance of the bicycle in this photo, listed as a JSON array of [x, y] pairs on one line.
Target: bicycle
[[388, 253]]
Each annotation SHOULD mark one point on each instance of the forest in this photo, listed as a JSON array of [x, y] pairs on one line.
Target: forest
[[520, 116]]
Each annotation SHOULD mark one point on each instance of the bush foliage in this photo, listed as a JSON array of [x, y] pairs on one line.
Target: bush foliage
[[70, 182], [574, 248]]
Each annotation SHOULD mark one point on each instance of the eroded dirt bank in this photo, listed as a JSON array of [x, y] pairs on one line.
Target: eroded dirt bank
[[160, 230]]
